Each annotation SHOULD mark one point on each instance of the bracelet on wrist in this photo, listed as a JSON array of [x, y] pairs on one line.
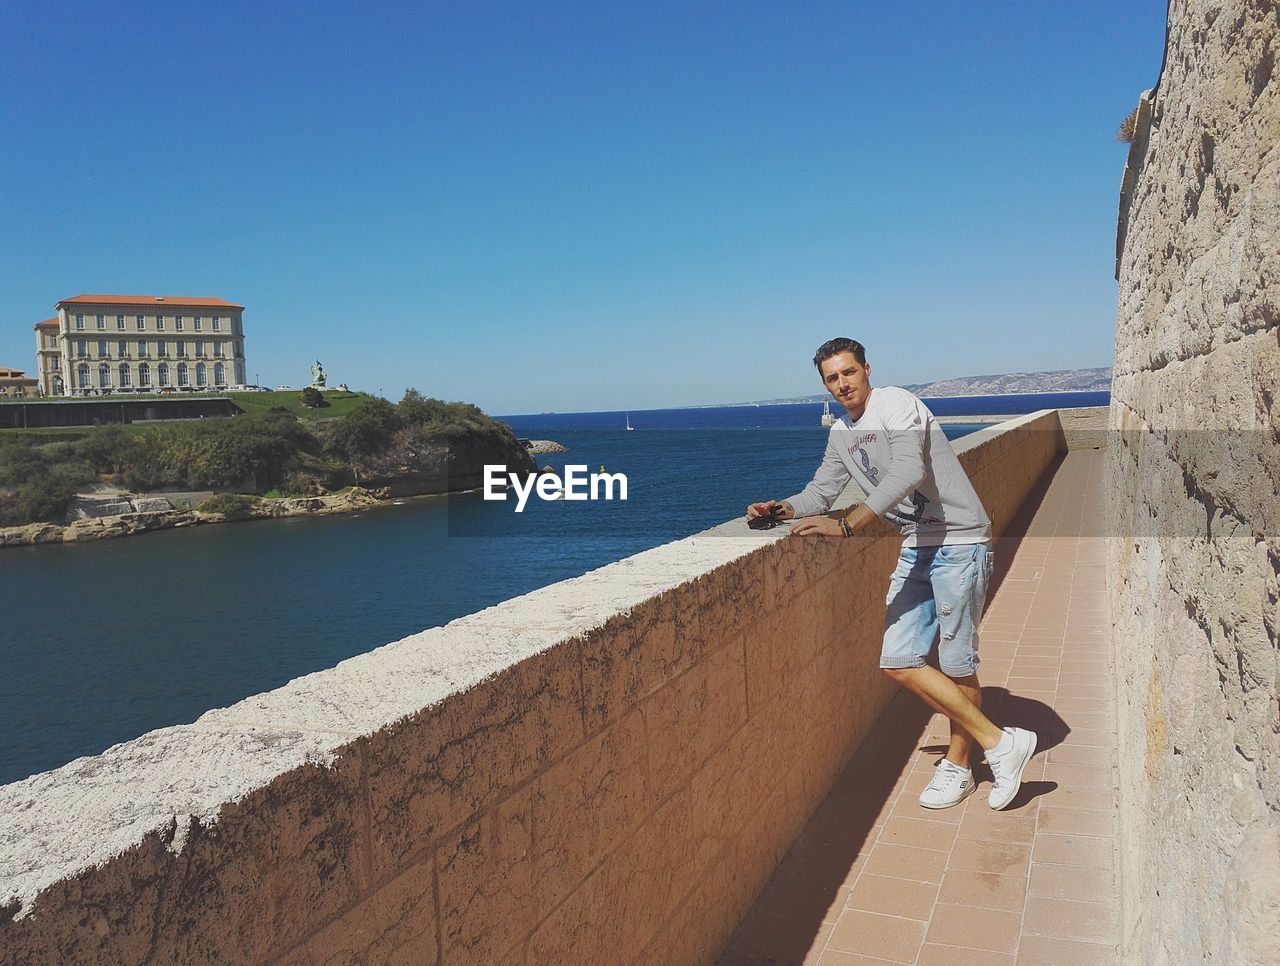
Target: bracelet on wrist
[[845, 528]]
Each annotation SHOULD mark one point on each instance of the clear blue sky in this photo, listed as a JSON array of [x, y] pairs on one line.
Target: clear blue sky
[[573, 206]]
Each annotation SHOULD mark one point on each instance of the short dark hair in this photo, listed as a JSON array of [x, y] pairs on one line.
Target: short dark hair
[[836, 346]]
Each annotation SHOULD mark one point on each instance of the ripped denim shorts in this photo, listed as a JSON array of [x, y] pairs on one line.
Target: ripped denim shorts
[[937, 589]]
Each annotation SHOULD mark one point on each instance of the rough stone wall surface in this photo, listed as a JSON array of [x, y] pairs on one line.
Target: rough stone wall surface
[[606, 770], [1193, 508]]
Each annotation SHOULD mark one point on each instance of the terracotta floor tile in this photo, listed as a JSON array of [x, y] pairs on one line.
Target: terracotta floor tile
[[1089, 720], [975, 928], [1076, 821], [988, 825], [884, 937], [1081, 776], [1074, 796], [1000, 858], [1072, 882], [1087, 679], [1068, 706], [819, 943], [1081, 850], [1069, 919], [834, 957], [894, 897], [1039, 951], [1076, 754], [1089, 737], [919, 833], [908, 807], [985, 890], [904, 862], [1085, 691], [1019, 685], [933, 954]]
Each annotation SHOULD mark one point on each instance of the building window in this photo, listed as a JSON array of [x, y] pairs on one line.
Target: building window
[[82, 347], [51, 341], [104, 376], [177, 322], [217, 324], [182, 349], [144, 374], [239, 373], [126, 378], [82, 375], [217, 349], [219, 374], [102, 321], [119, 321], [162, 348], [102, 348], [141, 324], [123, 347], [199, 348], [142, 349], [79, 321], [57, 385], [164, 373], [202, 378], [159, 323], [199, 322], [182, 374]]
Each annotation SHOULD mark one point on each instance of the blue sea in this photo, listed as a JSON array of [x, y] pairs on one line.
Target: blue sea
[[105, 641]]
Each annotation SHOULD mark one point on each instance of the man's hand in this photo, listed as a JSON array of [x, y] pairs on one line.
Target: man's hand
[[859, 518], [765, 508], [817, 527]]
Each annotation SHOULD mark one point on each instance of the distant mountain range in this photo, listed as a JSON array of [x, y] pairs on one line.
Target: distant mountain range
[[1006, 384]]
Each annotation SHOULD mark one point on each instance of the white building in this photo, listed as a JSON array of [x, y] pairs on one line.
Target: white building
[[140, 343]]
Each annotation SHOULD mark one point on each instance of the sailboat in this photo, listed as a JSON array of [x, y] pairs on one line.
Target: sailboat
[[630, 428], [827, 418]]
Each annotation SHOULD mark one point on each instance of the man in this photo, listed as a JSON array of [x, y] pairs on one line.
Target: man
[[893, 446]]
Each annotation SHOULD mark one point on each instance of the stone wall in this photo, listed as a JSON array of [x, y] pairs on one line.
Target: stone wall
[[1193, 477], [603, 771]]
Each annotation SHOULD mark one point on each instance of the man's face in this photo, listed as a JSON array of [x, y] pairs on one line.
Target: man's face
[[848, 381]]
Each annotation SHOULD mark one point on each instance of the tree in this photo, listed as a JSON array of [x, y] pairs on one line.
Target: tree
[[313, 398]]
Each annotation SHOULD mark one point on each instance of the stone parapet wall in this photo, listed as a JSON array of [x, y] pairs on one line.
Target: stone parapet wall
[[1193, 479], [605, 770]]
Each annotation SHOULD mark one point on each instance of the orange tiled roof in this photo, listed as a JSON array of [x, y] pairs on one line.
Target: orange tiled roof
[[46, 324], [181, 300]]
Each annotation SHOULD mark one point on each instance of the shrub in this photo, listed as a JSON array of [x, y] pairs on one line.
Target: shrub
[[1128, 130], [233, 506], [365, 431], [313, 398], [108, 449]]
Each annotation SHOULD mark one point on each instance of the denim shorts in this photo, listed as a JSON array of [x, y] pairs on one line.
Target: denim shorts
[[937, 589]]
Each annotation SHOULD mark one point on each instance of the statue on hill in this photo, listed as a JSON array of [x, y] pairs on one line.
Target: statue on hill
[[317, 374]]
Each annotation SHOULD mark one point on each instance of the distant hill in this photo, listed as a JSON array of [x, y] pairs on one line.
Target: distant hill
[[1006, 384], [1011, 383]]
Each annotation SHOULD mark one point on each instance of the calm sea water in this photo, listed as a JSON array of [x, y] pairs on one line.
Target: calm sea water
[[105, 641]]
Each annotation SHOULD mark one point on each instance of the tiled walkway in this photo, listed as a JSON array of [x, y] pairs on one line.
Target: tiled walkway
[[876, 878]]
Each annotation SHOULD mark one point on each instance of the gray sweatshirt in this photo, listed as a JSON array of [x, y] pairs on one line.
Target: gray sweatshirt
[[903, 461]]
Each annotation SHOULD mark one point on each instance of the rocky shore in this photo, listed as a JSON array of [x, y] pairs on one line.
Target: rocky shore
[[157, 518]]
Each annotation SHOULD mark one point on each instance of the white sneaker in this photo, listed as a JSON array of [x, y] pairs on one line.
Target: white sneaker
[[1006, 769], [951, 785]]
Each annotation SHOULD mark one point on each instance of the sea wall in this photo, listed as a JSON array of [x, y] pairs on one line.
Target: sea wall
[[1194, 470], [605, 770]]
